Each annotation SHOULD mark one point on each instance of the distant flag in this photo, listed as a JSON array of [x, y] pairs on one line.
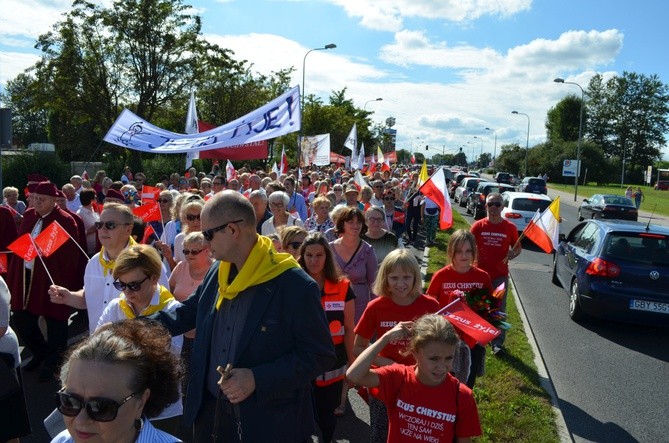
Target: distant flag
[[148, 212], [359, 180], [23, 247], [413, 158], [385, 166], [352, 140], [230, 172], [379, 155], [544, 228], [361, 157], [3, 263], [423, 176], [473, 329], [150, 193], [435, 188], [283, 165], [275, 169], [51, 238], [372, 165], [191, 128], [85, 176]]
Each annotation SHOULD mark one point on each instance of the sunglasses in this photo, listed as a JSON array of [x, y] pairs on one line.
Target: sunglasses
[[295, 244], [209, 233], [133, 286], [495, 204], [109, 225], [192, 217], [97, 408], [192, 252], [164, 200]]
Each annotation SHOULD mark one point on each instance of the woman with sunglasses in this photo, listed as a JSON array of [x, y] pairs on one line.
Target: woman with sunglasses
[[291, 239], [115, 381], [337, 299], [136, 274], [382, 240], [187, 276], [190, 222]]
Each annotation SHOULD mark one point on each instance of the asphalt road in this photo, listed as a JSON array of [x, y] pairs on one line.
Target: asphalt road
[[610, 378]]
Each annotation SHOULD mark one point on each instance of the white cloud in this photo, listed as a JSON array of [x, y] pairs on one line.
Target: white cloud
[[30, 18], [14, 63], [389, 14]]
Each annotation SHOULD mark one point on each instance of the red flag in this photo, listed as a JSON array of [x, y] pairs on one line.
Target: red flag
[[3, 263], [85, 176], [23, 247], [150, 193], [283, 167], [51, 238], [473, 329], [148, 232], [435, 189], [413, 159], [148, 212]]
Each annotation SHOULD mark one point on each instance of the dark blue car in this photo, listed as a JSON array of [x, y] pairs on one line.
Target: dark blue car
[[616, 270]]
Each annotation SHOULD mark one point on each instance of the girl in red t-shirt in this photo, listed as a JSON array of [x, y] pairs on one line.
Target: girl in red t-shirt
[[462, 277], [398, 286], [424, 402]]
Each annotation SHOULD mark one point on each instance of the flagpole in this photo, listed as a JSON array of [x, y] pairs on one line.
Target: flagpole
[[39, 254], [75, 242], [448, 306]]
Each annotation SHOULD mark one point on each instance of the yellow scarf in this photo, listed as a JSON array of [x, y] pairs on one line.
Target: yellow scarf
[[165, 298], [108, 265], [263, 264]]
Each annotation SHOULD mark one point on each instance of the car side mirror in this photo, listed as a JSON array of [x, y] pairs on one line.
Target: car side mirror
[[585, 200]]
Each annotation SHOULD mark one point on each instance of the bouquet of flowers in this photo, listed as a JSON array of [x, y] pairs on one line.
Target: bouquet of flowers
[[487, 305]]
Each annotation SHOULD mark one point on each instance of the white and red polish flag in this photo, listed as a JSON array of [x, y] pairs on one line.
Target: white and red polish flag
[[435, 188]]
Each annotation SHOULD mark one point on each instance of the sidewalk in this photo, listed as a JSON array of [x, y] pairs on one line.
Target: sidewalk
[[567, 198]]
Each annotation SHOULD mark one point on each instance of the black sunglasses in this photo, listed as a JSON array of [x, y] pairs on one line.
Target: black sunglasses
[[192, 217], [209, 233], [295, 244], [133, 286], [495, 204], [192, 252], [109, 225], [97, 408]]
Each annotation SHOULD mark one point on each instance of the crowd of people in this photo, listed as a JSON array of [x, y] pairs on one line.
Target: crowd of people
[[262, 298]]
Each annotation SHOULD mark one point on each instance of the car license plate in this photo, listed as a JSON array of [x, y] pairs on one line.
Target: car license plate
[[650, 306]]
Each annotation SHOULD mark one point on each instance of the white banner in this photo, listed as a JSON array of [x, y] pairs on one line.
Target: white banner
[[279, 117], [316, 150], [569, 168]]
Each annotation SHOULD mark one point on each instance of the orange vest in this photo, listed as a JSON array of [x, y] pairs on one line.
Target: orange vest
[[333, 301]]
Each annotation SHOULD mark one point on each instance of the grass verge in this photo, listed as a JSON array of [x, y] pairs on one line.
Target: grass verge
[[657, 200], [512, 404]]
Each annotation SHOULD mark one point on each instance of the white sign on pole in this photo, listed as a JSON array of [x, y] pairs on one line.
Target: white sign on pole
[[649, 175], [569, 168]]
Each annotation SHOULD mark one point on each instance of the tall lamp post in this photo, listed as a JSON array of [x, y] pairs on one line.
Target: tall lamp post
[[494, 152], [304, 62], [527, 143], [580, 135], [364, 108]]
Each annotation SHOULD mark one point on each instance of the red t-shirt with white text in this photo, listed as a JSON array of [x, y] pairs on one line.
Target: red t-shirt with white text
[[447, 280], [382, 314], [417, 412], [493, 241]]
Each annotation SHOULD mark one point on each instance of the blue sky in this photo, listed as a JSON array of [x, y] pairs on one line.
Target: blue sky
[[445, 69]]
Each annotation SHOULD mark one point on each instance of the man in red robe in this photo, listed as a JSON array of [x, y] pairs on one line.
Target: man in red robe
[[29, 283]]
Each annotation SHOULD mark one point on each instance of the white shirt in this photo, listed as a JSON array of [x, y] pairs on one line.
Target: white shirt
[[89, 217], [269, 228], [75, 204]]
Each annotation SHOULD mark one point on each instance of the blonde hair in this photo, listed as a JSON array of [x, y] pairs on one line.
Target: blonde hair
[[403, 260], [288, 233], [457, 240], [432, 328], [142, 257]]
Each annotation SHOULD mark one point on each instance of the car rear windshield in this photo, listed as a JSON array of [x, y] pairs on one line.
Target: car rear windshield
[[529, 204], [537, 182], [638, 247], [614, 200]]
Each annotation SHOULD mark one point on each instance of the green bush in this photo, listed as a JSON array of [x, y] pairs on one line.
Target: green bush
[[15, 169]]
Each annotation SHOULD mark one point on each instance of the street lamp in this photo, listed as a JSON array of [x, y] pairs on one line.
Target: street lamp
[[479, 162], [495, 148], [364, 108], [304, 62], [527, 143], [580, 135]]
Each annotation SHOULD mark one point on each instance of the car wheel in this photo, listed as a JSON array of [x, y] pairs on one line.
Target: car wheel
[[461, 202], [580, 217], [468, 209], [554, 277], [575, 311]]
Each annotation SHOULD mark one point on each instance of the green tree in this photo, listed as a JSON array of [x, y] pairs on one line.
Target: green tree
[[562, 121], [29, 118]]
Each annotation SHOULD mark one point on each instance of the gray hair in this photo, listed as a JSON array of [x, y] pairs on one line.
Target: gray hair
[[279, 196]]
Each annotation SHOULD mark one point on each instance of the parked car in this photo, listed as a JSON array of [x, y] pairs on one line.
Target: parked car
[[515, 181], [608, 206], [520, 207], [536, 185], [662, 185], [476, 200], [503, 177], [467, 185], [457, 179], [615, 269]]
